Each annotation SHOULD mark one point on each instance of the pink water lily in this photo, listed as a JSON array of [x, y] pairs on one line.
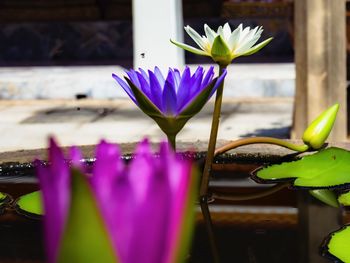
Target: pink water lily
[[117, 212]]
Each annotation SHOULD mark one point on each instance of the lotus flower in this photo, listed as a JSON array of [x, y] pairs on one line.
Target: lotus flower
[[142, 212], [173, 100], [224, 45]]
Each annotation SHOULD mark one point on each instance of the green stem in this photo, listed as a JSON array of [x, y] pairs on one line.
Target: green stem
[[256, 140], [213, 136], [266, 140], [172, 140], [250, 196]]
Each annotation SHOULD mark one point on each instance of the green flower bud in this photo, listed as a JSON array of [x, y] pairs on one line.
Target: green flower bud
[[317, 133], [220, 52]]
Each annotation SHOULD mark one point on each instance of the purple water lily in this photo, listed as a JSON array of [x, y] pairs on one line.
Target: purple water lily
[[139, 210], [173, 100]]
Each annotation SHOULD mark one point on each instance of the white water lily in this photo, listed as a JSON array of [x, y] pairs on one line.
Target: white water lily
[[224, 45]]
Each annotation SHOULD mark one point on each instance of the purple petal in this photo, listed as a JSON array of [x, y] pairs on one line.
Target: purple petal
[[125, 87], [218, 82], [171, 78], [169, 100], [160, 76], [76, 156], [54, 183], [177, 77], [196, 86], [106, 170], [198, 72], [144, 74], [184, 88], [179, 177], [133, 77], [150, 190], [144, 85], [208, 77], [156, 90]]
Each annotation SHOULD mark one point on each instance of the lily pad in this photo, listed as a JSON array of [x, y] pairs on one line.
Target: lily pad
[[30, 204], [328, 168], [326, 196], [337, 245], [4, 199], [344, 199]]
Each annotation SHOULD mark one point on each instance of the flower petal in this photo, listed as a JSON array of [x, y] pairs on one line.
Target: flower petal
[[257, 47], [144, 74], [195, 36], [133, 77], [208, 77], [144, 85], [125, 87], [233, 39], [156, 89], [159, 76], [145, 104], [54, 182], [211, 34], [184, 88], [190, 48], [226, 31], [169, 98]]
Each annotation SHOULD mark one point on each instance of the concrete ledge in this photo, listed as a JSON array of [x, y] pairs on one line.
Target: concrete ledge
[[243, 80]]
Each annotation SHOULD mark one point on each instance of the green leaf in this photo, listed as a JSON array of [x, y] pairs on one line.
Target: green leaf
[[329, 168], [326, 196], [190, 48], [338, 244], [85, 238], [31, 203], [220, 52], [257, 47], [344, 199]]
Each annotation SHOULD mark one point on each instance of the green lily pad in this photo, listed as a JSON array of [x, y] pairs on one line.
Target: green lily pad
[[329, 168], [3, 197], [337, 245], [344, 199], [31, 203], [326, 196]]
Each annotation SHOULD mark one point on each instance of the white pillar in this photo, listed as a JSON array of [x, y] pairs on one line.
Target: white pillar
[[154, 23]]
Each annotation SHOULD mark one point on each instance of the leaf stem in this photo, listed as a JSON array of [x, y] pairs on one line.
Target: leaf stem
[[259, 140], [250, 196], [213, 136]]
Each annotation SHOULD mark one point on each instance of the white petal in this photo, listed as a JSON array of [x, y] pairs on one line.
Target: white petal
[[233, 40], [220, 31], [195, 36], [227, 31], [243, 34], [211, 34]]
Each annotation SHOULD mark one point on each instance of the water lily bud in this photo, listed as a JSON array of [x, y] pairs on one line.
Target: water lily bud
[[220, 52], [317, 133]]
